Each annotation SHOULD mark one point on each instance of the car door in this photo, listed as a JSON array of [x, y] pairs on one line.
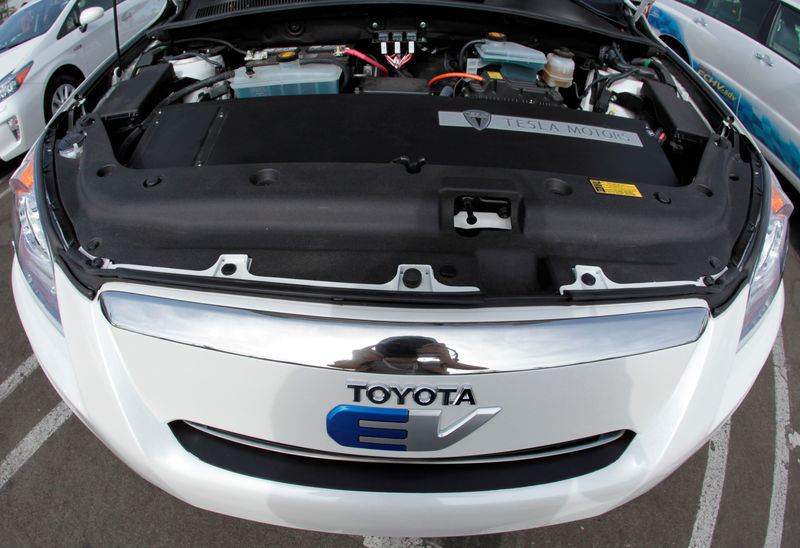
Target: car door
[[96, 43], [90, 46], [735, 26], [67, 44], [770, 107], [683, 22], [719, 36]]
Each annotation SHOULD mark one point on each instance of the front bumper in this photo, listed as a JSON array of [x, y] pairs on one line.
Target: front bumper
[[127, 388], [26, 107]]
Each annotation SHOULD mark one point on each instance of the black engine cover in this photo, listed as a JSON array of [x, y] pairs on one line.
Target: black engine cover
[[378, 129]]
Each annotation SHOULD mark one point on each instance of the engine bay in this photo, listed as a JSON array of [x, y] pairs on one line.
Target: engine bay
[[499, 154], [500, 75]]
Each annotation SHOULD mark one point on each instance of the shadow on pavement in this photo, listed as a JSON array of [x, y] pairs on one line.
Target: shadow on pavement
[[7, 168]]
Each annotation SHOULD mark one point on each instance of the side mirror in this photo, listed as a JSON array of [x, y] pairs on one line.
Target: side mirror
[[90, 15]]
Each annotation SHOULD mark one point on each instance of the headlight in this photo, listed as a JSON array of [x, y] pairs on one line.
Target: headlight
[[769, 268], [33, 252], [13, 81]]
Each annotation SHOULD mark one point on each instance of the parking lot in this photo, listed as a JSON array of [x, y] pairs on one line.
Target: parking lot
[[60, 486]]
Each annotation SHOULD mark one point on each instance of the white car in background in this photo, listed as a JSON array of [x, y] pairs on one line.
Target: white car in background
[[45, 52], [749, 52]]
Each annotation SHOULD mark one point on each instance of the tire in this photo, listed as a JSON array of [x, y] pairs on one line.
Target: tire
[[57, 91]]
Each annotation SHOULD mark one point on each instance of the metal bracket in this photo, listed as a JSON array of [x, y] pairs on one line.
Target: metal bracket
[[641, 9], [237, 267], [592, 278]]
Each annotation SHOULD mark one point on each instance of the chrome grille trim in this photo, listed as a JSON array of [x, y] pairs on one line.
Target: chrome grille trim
[[485, 347]]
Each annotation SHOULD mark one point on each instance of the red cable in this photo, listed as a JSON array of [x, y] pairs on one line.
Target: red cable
[[366, 59], [455, 75]]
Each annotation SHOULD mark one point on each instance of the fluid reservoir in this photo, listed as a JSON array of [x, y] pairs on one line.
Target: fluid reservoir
[[516, 61], [287, 78], [198, 68], [559, 68]]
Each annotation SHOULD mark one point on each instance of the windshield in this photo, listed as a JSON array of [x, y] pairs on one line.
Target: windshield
[[30, 22]]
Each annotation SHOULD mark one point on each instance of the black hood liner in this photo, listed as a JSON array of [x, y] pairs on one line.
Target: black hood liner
[[588, 13]]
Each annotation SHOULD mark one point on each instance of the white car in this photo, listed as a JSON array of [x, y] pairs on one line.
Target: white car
[[749, 52], [416, 268], [45, 53]]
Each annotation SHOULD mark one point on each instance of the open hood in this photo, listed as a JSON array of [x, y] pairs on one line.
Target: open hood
[[581, 12]]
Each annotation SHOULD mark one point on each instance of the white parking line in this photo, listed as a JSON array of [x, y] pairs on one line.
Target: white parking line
[[33, 441], [780, 471], [397, 542], [5, 192], [15, 379], [711, 493]]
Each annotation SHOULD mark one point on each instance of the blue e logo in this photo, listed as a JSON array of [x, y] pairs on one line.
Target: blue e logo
[[400, 429]]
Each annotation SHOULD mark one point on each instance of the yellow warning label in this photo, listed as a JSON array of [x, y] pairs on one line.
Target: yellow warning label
[[494, 75], [617, 189]]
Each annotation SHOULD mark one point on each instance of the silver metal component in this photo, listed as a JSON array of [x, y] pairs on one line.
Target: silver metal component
[[641, 9], [592, 278], [238, 267], [481, 348], [484, 219], [479, 119], [560, 449], [541, 127], [60, 96], [764, 58], [423, 427]]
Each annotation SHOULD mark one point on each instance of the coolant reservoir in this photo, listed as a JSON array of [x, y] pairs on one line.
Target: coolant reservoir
[[517, 61], [559, 68], [288, 78], [197, 67]]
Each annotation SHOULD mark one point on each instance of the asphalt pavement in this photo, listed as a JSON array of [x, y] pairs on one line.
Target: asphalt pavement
[[60, 486]]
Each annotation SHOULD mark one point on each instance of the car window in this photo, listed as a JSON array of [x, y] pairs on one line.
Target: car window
[[784, 36], [744, 15], [696, 4], [30, 22]]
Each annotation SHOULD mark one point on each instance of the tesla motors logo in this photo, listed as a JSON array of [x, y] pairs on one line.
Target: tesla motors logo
[[479, 119]]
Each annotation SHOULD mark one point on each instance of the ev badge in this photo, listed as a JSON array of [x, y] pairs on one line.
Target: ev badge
[[479, 119], [400, 429]]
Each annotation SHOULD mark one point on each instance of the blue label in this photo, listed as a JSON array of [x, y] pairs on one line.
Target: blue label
[[783, 146], [728, 93], [344, 426]]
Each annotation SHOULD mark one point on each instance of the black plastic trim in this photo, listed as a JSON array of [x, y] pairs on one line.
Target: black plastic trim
[[394, 477]]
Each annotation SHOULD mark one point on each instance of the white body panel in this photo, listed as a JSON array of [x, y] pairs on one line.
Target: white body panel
[[126, 387]]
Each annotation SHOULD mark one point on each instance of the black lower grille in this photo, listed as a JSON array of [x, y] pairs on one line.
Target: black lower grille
[[396, 477]]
